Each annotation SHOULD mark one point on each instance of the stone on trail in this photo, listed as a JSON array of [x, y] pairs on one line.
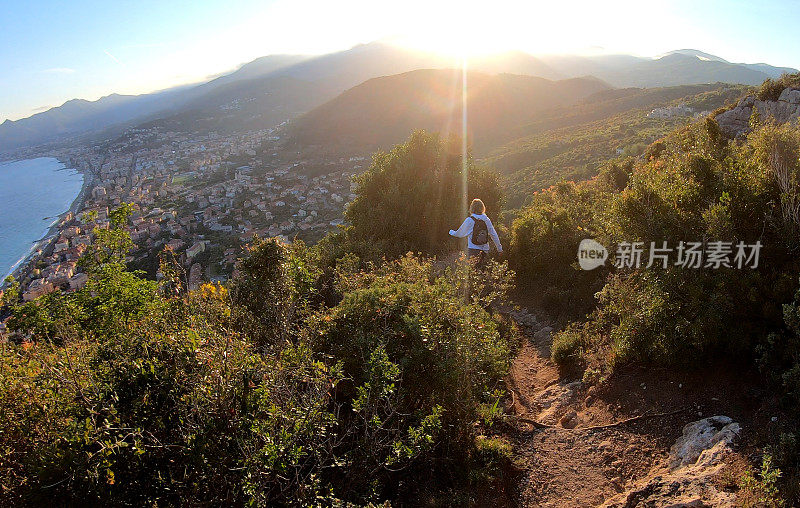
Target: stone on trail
[[701, 437], [543, 334], [695, 460], [569, 420]]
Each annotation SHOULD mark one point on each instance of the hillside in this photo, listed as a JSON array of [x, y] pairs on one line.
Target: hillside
[[249, 104], [573, 142], [533, 131], [680, 67], [274, 88], [78, 116], [381, 111], [656, 340]]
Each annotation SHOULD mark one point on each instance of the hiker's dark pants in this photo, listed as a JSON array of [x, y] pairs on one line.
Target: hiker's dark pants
[[480, 255]]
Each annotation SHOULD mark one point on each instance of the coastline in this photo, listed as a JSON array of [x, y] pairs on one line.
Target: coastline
[[55, 226]]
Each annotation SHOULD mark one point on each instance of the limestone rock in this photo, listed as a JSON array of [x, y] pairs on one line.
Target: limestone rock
[[736, 122], [695, 459], [698, 444]]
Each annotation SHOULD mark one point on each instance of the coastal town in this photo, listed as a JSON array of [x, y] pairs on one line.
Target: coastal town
[[202, 196]]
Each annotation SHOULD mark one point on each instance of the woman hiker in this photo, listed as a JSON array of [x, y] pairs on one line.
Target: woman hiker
[[478, 229]]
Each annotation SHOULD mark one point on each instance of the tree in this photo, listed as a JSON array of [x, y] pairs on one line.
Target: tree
[[414, 194]]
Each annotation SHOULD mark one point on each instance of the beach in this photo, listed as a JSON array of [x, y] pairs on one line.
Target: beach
[[44, 187]]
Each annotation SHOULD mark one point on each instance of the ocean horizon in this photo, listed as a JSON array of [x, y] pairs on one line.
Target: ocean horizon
[[33, 193]]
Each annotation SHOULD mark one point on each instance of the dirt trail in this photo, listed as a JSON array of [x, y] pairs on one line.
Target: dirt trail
[[567, 465]]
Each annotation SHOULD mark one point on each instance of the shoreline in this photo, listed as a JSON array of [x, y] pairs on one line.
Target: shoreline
[[54, 228]]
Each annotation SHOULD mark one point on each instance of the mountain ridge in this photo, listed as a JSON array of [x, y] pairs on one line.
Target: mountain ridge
[[299, 83], [380, 112]]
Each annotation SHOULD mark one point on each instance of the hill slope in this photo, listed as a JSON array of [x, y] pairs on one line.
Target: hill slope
[[79, 116], [572, 142], [382, 111], [680, 67]]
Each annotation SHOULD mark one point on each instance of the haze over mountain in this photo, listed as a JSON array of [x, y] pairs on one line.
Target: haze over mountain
[[532, 130], [275, 88], [81, 116], [294, 90], [382, 111], [680, 67]]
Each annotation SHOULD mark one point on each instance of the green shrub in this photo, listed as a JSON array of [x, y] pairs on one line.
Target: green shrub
[[771, 89], [761, 489], [271, 290], [411, 196], [419, 361], [133, 392], [545, 238], [695, 189], [569, 345]]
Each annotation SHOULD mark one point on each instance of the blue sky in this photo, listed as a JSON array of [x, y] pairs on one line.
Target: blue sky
[[52, 51]]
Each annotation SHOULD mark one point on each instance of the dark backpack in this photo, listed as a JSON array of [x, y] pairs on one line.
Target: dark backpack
[[480, 233]]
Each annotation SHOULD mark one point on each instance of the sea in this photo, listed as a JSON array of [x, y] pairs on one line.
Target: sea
[[33, 193]]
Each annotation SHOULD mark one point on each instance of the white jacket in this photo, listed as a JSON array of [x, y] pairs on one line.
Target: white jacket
[[466, 230]]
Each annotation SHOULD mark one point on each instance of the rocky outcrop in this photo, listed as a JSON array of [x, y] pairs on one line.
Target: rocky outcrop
[[703, 442], [736, 122], [695, 460]]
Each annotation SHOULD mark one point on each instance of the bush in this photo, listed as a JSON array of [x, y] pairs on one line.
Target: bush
[[411, 196], [771, 89], [418, 362], [255, 393], [271, 290], [761, 489], [545, 238], [675, 314]]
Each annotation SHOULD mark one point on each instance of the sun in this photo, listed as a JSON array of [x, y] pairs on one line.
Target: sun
[[460, 32], [454, 41]]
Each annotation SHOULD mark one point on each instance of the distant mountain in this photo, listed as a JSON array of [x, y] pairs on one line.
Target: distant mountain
[[78, 116], [274, 88], [382, 111], [295, 89], [702, 55], [513, 62], [259, 94], [243, 105], [680, 67], [257, 68], [769, 70]]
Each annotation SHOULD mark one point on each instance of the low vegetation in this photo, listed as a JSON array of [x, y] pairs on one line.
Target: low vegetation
[[362, 370], [574, 143], [297, 383], [693, 185]]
